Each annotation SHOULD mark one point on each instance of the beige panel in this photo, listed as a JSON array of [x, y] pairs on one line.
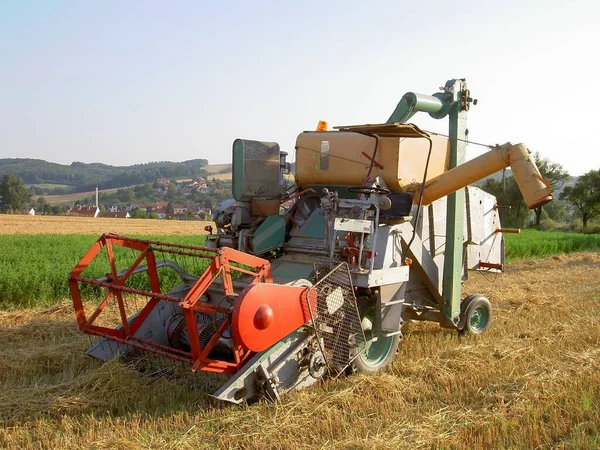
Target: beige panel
[[336, 158]]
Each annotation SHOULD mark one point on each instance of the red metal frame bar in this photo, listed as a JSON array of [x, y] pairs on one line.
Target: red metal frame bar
[[487, 265], [379, 166], [223, 263]]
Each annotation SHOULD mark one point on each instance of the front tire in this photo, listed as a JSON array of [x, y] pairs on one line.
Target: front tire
[[377, 355], [379, 352]]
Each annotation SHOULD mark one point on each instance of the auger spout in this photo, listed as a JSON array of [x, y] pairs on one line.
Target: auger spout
[[536, 190]]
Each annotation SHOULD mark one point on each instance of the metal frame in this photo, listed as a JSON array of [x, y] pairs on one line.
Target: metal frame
[[223, 263], [453, 102]]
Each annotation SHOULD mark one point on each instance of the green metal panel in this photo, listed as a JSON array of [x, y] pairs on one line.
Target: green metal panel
[[238, 169], [256, 170], [453, 254], [286, 271], [412, 103], [269, 235], [314, 227]]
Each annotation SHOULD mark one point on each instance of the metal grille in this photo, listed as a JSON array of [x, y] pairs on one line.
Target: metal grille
[[336, 319]]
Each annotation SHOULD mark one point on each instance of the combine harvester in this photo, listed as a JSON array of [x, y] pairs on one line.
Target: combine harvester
[[315, 279]]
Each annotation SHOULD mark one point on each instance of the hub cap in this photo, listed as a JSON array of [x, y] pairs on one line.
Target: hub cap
[[479, 318]]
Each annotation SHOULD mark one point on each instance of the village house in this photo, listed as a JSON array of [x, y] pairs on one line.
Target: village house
[[193, 208], [84, 211], [180, 209], [153, 207], [161, 212], [197, 184], [114, 215]]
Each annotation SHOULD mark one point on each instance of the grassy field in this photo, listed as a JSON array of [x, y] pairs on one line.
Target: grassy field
[[35, 267], [531, 381], [38, 252], [538, 244]]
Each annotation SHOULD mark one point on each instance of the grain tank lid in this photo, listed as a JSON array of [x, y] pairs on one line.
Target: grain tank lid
[[392, 130]]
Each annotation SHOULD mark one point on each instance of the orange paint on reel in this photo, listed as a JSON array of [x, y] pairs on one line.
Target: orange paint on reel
[[265, 313]]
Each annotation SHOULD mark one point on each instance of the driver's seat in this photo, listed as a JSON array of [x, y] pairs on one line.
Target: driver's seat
[[402, 203]]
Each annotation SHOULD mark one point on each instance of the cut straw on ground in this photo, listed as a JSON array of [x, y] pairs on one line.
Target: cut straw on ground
[[531, 381]]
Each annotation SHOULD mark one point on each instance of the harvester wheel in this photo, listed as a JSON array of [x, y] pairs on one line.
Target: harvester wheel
[[475, 314], [379, 352], [377, 355]]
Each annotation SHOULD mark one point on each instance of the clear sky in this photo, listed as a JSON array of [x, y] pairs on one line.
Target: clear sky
[[124, 82]]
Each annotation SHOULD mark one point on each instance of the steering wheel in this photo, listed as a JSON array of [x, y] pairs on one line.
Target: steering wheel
[[369, 190]]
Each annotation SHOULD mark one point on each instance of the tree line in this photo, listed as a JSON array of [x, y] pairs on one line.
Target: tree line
[[81, 177], [578, 200]]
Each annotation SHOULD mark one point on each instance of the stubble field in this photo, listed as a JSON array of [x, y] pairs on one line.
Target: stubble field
[[19, 224], [531, 381]]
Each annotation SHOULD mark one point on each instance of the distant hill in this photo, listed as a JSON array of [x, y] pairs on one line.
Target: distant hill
[[81, 177]]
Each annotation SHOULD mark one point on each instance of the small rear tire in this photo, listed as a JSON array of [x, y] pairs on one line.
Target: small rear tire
[[475, 315]]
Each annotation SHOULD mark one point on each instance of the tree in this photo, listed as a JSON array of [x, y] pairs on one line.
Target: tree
[[556, 210], [144, 191], [14, 196], [40, 205], [512, 208], [585, 196], [58, 210], [139, 214], [126, 195], [170, 209], [173, 194], [555, 173]]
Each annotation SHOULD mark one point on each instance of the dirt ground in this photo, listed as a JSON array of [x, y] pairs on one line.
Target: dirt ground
[[23, 224], [531, 381]]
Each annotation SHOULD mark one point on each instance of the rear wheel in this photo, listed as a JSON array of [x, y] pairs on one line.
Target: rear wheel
[[475, 314], [379, 351]]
